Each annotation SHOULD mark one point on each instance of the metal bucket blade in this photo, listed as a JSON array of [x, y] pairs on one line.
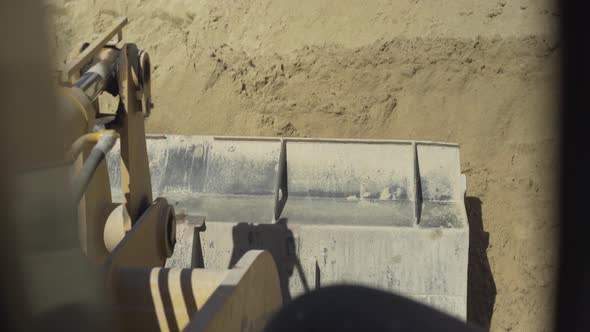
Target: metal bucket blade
[[381, 213]]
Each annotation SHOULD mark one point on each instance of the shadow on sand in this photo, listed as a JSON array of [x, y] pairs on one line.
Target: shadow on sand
[[481, 288]]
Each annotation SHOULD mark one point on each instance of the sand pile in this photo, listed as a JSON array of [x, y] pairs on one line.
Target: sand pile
[[480, 74]]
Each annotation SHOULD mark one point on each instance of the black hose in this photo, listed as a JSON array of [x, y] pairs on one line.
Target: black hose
[[97, 155]]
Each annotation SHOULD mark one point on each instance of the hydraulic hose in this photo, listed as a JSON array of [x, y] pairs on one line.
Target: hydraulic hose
[[105, 143]]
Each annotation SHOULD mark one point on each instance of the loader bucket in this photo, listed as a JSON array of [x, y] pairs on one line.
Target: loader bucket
[[380, 213]]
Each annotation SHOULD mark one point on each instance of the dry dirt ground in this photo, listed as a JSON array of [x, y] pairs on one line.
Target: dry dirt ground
[[480, 73]]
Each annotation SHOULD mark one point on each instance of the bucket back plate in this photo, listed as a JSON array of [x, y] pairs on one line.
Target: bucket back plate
[[381, 213]]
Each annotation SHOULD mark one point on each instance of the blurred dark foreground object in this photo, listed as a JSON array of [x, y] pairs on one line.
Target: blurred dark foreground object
[[355, 308]]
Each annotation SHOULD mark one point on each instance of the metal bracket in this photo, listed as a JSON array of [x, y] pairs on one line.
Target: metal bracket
[[71, 71]]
